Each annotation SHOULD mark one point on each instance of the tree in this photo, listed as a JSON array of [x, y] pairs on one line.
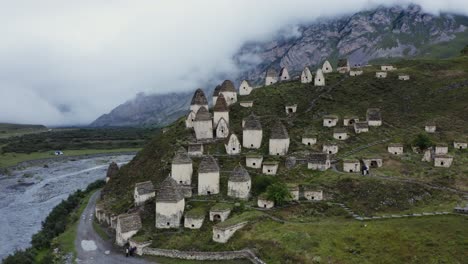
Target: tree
[[422, 141], [278, 192]]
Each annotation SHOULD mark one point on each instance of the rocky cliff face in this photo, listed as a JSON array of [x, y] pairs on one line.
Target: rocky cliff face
[[380, 33]]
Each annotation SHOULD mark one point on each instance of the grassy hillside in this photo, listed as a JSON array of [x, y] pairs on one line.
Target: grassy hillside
[[437, 92], [8, 130]]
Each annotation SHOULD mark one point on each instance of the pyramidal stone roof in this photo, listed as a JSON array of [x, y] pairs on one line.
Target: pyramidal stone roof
[[247, 82], [343, 63], [195, 147], [216, 90], [199, 98], [113, 170], [203, 114], [283, 71], [271, 73], [221, 105], [181, 157], [279, 132], [252, 123], [169, 191], [144, 187], [208, 164], [239, 174], [129, 222], [227, 86]]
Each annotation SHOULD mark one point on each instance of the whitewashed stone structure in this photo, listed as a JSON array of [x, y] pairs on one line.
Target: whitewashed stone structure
[[443, 160], [198, 100], [361, 127], [229, 92], [181, 167], [245, 88], [306, 76], [220, 110], [143, 192], [233, 145], [254, 161], [195, 150], [387, 68], [351, 165], [239, 183], [340, 133], [355, 72], [290, 108], [193, 219], [343, 66], [441, 148], [190, 119], [170, 204], [403, 77], [395, 148], [271, 77], [330, 120], [263, 202], [312, 194], [222, 234], [430, 128], [294, 191], [246, 103], [318, 161], [309, 140], [460, 145], [270, 167], [127, 226], [208, 176], [203, 124], [252, 133], [373, 162], [279, 140], [381, 75], [374, 117], [319, 79], [330, 148], [350, 120], [326, 67], [222, 130], [284, 75], [220, 212], [216, 93]]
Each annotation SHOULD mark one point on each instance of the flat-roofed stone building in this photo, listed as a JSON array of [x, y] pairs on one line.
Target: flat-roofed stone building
[[143, 192], [253, 161], [403, 77], [387, 68], [343, 66], [270, 167], [350, 120], [290, 108], [351, 165], [318, 161], [373, 162], [381, 75], [395, 148], [443, 160], [430, 127], [374, 117], [220, 212], [355, 73], [330, 148], [127, 226], [264, 202], [330, 120], [312, 194], [340, 133], [309, 140], [194, 219], [460, 145], [441, 148], [361, 127]]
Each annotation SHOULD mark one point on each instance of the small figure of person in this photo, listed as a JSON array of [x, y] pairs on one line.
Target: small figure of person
[[126, 252]]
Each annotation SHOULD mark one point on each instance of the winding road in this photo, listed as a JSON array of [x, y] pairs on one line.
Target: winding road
[[91, 248]]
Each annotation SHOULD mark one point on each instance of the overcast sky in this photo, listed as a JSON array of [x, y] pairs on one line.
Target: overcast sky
[[67, 62]]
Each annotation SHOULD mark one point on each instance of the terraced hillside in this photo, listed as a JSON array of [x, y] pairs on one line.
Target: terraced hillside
[[437, 92]]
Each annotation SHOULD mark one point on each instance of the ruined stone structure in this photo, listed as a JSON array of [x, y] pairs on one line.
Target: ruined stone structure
[[355, 72], [326, 67], [373, 162], [403, 77], [351, 165], [181, 167], [170, 204], [374, 118], [233, 146], [318, 161], [294, 191], [190, 119], [443, 160], [112, 171], [430, 127], [279, 140], [395, 148], [195, 150], [222, 233], [330, 148], [222, 129], [340, 133], [361, 127], [220, 110], [252, 133], [290, 108], [319, 79], [270, 167], [381, 75], [330, 120], [203, 124], [312, 194], [220, 212], [246, 103], [441, 148], [239, 183], [254, 161], [284, 75], [306, 76], [127, 226], [350, 120], [208, 176], [193, 220], [387, 68], [271, 77], [245, 88], [343, 66], [143, 192], [309, 140], [460, 145], [229, 92], [198, 100]]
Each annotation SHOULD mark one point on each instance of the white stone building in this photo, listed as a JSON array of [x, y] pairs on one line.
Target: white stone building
[[190, 119], [290, 108], [330, 148], [294, 191], [441, 148], [127, 226], [239, 183], [220, 110], [306, 76], [233, 145], [443, 160], [319, 79], [203, 124], [271, 77], [279, 140], [404, 77], [326, 67], [264, 202], [430, 128], [284, 75], [381, 75], [318, 161], [170, 204], [222, 130], [350, 120], [182, 168], [222, 233], [395, 148], [208, 176], [361, 127], [309, 140], [270, 167], [254, 161], [312, 194], [343, 66], [143, 192], [245, 88], [373, 162], [351, 165], [195, 150], [355, 72], [220, 212], [387, 68], [216, 93], [460, 145], [374, 117], [194, 219], [198, 100], [330, 120], [246, 104], [229, 92], [252, 133], [340, 133]]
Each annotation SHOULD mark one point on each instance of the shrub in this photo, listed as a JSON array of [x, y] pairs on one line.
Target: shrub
[[278, 192], [422, 141]]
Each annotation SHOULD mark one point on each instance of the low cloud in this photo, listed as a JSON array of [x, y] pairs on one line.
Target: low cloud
[[68, 62]]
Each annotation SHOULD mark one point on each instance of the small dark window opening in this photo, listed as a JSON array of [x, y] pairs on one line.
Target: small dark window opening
[[253, 164], [208, 192], [168, 223], [233, 149], [222, 130], [373, 164], [441, 163], [277, 154], [339, 137], [329, 121], [395, 153], [269, 170], [319, 80], [308, 143], [264, 206], [290, 110], [180, 181], [218, 235], [313, 198], [350, 170], [351, 121], [193, 225], [251, 145], [460, 147]]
